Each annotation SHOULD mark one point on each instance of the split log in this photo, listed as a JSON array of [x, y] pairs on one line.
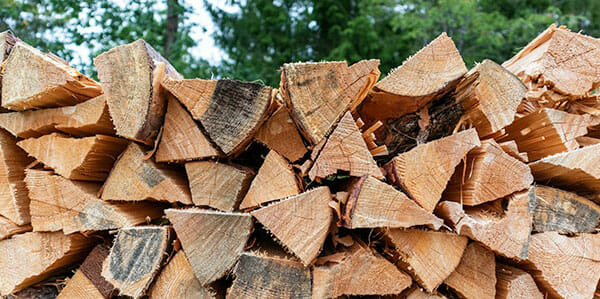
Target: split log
[[7, 42], [130, 76], [279, 133], [230, 111], [475, 275], [218, 185], [29, 258], [133, 179], [71, 206], [265, 277], [86, 159], [318, 94], [14, 203], [275, 180], [430, 257], [417, 293], [182, 139], [135, 258], [510, 147], [88, 281], [213, 241], [177, 280], [514, 283], [85, 119], [564, 212], [345, 149], [424, 171], [300, 223], [488, 174], [9, 228], [361, 272], [373, 203], [32, 79]]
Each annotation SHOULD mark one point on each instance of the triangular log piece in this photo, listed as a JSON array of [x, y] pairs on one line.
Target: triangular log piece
[[7, 42], [182, 139], [275, 180], [213, 241], [488, 174], [373, 203], [418, 293], [300, 223], [218, 185], [71, 206], [29, 258], [429, 256], [510, 147], [429, 74], [130, 76], [135, 258], [424, 171], [490, 96], [88, 118], [85, 159], [577, 169], [177, 280], [361, 272], [346, 150], [32, 79], [564, 212], [506, 234], [134, 179], [475, 276], [565, 267], [259, 276], [546, 132], [14, 203], [230, 111], [318, 94], [514, 283], [279, 133], [9, 228], [88, 281]]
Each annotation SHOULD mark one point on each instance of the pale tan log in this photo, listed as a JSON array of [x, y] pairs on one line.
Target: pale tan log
[[32, 79], [135, 258], [564, 212], [424, 171], [88, 281], [475, 275], [361, 272], [318, 94], [279, 133], [373, 203], [29, 258], [300, 223], [218, 185], [9, 228], [14, 202], [514, 283], [585, 140], [275, 180], [213, 241], [7, 42], [85, 159], [130, 76], [71, 206], [510, 147], [177, 280], [133, 179], [488, 174], [182, 139], [418, 293], [79, 286], [345, 149]]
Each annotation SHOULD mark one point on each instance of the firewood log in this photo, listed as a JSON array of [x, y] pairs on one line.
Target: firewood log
[[88, 281], [475, 275], [279, 133], [510, 147], [9, 228], [418, 293], [14, 203], [177, 280], [514, 283], [564, 212], [7, 42]]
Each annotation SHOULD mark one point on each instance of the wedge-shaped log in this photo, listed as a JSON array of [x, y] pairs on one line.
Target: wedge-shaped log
[[418, 293], [424, 171], [9, 228], [275, 180], [32, 79], [88, 281], [218, 185], [300, 223], [279, 133], [213, 241], [134, 179], [71, 206], [429, 256], [263, 277], [345, 149], [475, 275], [230, 111], [361, 272], [29, 258], [7, 42], [182, 139], [564, 212], [135, 258], [85, 159], [510, 147], [318, 94], [130, 76], [372, 203], [514, 283], [14, 203], [488, 174], [177, 280]]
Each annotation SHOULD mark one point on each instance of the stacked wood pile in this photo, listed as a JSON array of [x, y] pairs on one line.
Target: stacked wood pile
[[433, 182]]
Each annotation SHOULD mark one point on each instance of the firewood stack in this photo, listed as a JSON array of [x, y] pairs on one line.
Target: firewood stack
[[433, 182]]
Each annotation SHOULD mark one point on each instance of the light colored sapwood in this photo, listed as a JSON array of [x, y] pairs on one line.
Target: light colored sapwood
[[14, 202], [514, 283], [279, 133], [177, 280], [475, 275]]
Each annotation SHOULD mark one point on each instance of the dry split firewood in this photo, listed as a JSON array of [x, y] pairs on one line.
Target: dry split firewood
[[9, 228], [14, 203], [514, 283], [279, 133], [88, 281], [564, 212], [177, 280], [475, 275]]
